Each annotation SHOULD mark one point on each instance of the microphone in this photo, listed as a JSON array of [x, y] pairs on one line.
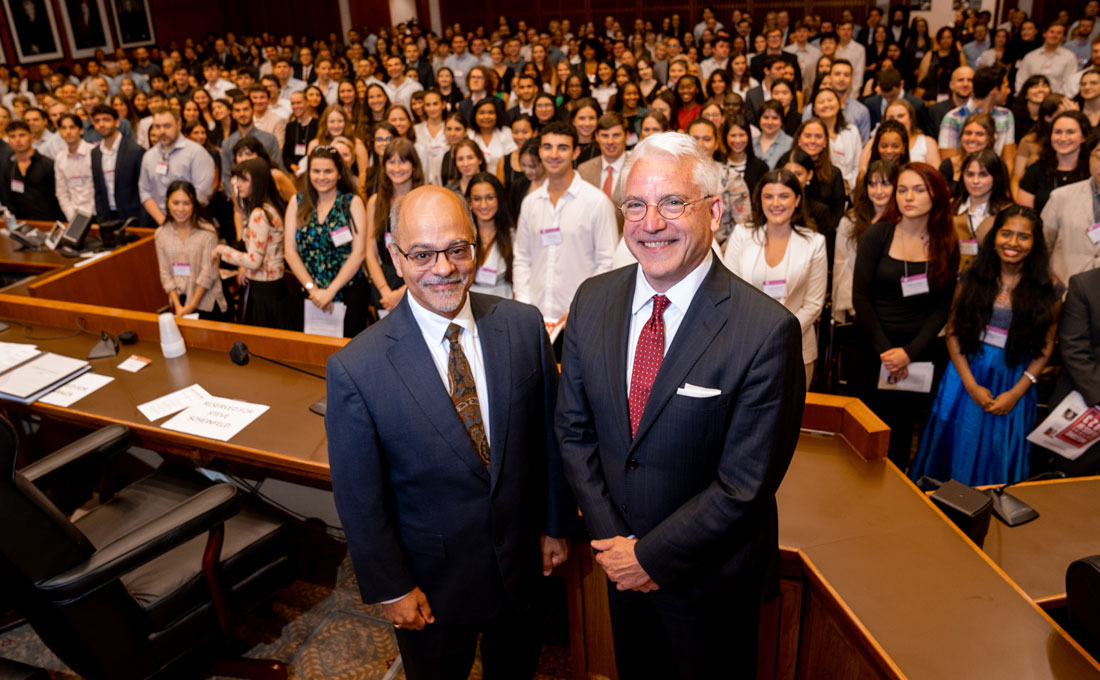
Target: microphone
[[1011, 510], [240, 355]]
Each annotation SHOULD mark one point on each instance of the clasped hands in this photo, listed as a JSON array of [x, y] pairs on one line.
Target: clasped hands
[[616, 556], [896, 360]]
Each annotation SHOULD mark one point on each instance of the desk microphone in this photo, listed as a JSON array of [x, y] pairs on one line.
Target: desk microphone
[[1011, 510], [240, 356]]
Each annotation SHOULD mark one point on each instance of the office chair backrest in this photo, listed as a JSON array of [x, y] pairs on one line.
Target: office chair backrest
[[36, 540], [1083, 596]]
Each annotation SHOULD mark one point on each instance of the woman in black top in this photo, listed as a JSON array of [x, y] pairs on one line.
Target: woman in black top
[[1063, 160], [904, 281], [827, 185], [936, 68]]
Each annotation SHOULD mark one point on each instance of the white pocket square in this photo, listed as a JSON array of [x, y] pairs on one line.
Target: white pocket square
[[689, 390]]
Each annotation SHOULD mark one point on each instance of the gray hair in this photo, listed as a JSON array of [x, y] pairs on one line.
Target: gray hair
[[682, 148], [395, 216]]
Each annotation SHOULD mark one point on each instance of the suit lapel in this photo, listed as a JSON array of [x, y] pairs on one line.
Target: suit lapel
[[615, 349], [701, 323], [496, 348], [412, 361]]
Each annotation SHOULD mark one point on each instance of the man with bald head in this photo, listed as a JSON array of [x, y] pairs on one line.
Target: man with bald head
[[444, 463]]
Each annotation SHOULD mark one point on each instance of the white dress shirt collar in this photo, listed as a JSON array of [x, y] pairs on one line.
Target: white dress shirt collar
[[434, 326], [679, 295]]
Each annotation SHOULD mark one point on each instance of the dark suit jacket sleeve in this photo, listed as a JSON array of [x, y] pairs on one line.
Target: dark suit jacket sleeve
[[359, 477], [759, 444], [1075, 337], [576, 430], [561, 510]]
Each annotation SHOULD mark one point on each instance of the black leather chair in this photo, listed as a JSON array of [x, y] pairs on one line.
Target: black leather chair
[[1083, 598], [136, 587]]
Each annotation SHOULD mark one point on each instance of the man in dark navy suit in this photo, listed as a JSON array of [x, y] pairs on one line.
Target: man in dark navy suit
[[444, 463], [679, 409]]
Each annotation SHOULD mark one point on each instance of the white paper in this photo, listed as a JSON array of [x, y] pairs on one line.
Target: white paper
[[38, 374], [174, 402], [320, 322], [134, 363], [1071, 428], [72, 392], [216, 418], [919, 379], [14, 353], [92, 258]]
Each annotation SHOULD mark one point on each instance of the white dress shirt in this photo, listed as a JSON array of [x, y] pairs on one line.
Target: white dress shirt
[[641, 308], [402, 94], [330, 92], [73, 180], [434, 329], [500, 145], [857, 54], [108, 160], [1058, 66], [548, 276], [431, 150]]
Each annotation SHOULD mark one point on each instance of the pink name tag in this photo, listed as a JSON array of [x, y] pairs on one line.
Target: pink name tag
[[17, 186], [916, 284], [997, 337], [550, 237]]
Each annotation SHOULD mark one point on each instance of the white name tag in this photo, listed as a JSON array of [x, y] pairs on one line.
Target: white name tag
[[1094, 233], [916, 284], [550, 237], [776, 289], [341, 236], [486, 276], [997, 337], [299, 149], [17, 186], [968, 246], [162, 168], [181, 269]]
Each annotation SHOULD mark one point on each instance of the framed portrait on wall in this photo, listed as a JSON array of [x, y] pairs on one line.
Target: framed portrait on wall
[[134, 22], [86, 27], [33, 30]]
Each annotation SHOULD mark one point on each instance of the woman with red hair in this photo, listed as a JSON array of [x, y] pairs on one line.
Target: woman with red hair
[[904, 282]]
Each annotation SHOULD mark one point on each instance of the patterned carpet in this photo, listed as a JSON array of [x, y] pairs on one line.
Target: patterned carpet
[[320, 632]]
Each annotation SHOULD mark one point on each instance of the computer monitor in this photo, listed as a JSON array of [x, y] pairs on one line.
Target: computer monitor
[[74, 234]]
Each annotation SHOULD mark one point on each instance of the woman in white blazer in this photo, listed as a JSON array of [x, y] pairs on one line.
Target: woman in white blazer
[[783, 256]]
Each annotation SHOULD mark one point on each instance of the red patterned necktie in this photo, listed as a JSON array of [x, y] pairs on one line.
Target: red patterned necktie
[[647, 361], [464, 394]]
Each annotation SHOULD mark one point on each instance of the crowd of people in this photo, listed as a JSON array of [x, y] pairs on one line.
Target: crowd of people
[[912, 201]]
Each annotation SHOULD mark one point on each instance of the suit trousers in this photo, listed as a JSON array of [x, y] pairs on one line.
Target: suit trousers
[[666, 635], [510, 646]]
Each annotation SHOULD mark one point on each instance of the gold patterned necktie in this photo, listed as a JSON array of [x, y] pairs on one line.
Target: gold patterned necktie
[[464, 394]]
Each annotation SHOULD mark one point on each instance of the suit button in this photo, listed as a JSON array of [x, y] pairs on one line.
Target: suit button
[[623, 506], [631, 464]]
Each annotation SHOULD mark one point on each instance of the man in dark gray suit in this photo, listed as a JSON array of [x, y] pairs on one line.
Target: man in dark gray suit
[[679, 409], [444, 463], [1079, 339]]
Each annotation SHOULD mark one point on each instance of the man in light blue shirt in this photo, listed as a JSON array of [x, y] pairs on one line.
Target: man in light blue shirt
[[980, 43], [854, 112], [173, 158], [460, 62]]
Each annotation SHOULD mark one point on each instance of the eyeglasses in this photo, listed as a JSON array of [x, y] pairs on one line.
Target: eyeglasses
[[460, 254], [669, 207]]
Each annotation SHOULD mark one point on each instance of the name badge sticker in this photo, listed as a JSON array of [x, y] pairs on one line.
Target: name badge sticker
[[1094, 233], [968, 246], [299, 149], [776, 289], [162, 168], [486, 276], [997, 337], [181, 269], [551, 236], [17, 186], [341, 236], [917, 284]]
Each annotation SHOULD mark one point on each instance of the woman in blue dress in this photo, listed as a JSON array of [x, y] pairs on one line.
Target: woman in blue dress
[[1000, 336]]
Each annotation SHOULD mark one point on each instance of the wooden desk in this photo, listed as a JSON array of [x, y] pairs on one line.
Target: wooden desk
[[1037, 554]]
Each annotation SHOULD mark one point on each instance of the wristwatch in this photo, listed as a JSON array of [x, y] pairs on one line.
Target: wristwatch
[[309, 286]]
